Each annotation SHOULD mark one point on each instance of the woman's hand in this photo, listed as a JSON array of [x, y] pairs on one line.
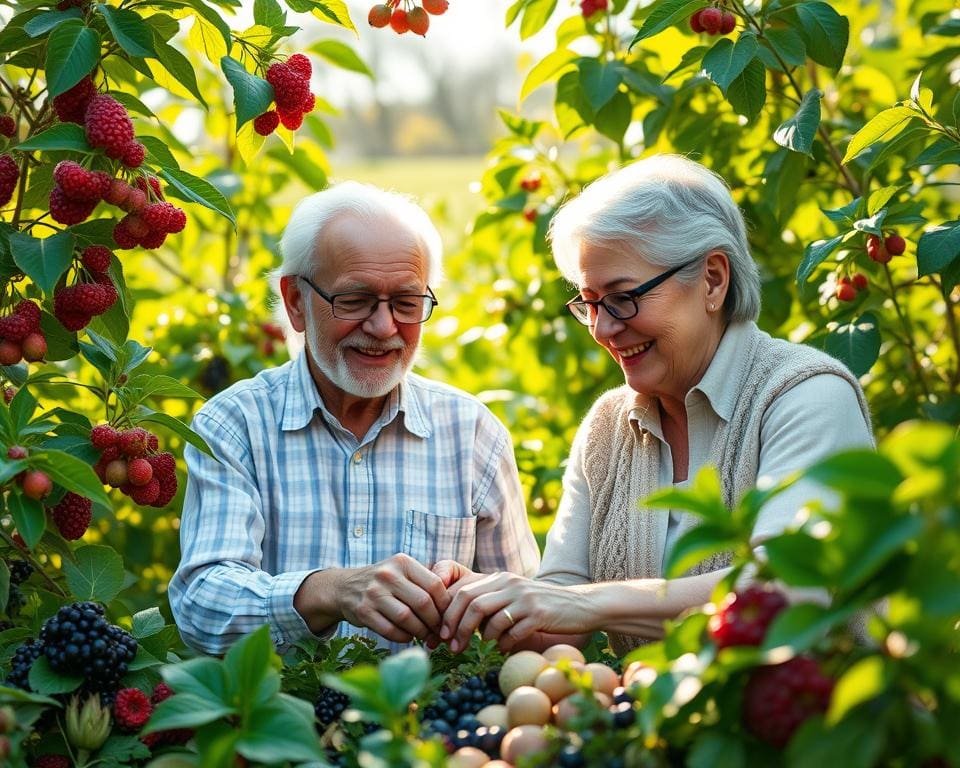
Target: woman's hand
[[510, 608]]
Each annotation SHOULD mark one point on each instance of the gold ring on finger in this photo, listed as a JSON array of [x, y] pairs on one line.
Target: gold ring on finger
[[509, 617]]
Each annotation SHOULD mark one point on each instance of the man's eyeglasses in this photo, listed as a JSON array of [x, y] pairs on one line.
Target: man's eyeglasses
[[621, 305], [356, 305]]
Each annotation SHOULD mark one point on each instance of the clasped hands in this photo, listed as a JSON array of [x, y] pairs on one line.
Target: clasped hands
[[401, 599]]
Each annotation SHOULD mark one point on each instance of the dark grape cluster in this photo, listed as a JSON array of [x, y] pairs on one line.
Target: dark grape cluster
[[23, 659], [20, 571], [330, 705], [453, 706], [78, 640]]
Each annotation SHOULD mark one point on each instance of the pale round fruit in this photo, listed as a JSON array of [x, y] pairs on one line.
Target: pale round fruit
[[566, 709], [493, 714], [522, 740], [468, 757], [527, 705], [630, 673], [520, 669], [554, 683], [554, 653], [497, 764], [602, 678]]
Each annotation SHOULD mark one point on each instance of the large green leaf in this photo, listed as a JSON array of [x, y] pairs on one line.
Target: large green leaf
[[61, 136], [882, 127], [813, 256], [535, 16], [28, 517], [548, 69], [788, 45], [725, 61], [73, 50], [860, 474], [250, 664], [342, 55], [696, 545], [174, 425], [599, 81], [300, 163], [403, 677], [665, 14], [199, 191], [717, 750], [203, 678], [96, 574], [938, 248], [863, 681], [613, 119], [43, 679], [185, 711], [799, 559], [331, 11], [42, 23], [802, 625], [130, 30], [269, 14], [799, 131], [881, 548], [179, 67], [748, 92], [73, 474], [43, 261], [157, 385], [281, 731], [147, 622], [856, 344], [825, 33], [252, 95]]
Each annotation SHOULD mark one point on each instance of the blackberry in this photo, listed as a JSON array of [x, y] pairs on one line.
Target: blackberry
[[78, 640], [468, 699], [23, 658], [20, 571], [329, 705]]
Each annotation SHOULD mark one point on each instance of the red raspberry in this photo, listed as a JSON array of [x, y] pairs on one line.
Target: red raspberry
[[398, 21], [136, 201], [778, 699], [73, 515], [131, 709], [133, 154], [290, 120], [79, 183], [139, 472], [103, 436], [379, 15], [711, 19], [174, 737], [895, 244], [743, 617], [436, 7], [29, 312], [8, 126], [52, 761], [145, 494], [266, 123], [15, 452], [110, 453], [289, 87], [728, 23], [418, 21], [136, 226], [153, 239], [310, 104], [14, 327], [36, 484], [9, 176], [96, 258], [71, 105], [153, 444], [123, 237], [118, 192], [154, 189], [107, 125], [10, 352], [133, 442], [164, 217], [301, 65], [34, 347], [161, 692], [164, 465], [67, 210]]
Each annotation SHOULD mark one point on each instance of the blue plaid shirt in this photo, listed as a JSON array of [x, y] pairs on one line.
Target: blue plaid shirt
[[294, 492]]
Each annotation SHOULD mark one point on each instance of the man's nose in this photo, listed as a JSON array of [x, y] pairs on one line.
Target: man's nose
[[381, 322]]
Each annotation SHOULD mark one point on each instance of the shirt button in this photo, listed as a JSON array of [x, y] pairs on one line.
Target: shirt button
[[357, 457], [358, 531]]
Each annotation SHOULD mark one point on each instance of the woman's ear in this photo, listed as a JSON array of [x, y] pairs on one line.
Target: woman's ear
[[293, 301], [717, 277]]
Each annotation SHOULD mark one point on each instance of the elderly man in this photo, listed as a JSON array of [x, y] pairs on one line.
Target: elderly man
[[339, 478]]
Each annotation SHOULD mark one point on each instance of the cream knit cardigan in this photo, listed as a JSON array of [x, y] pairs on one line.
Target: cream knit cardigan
[[621, 462]]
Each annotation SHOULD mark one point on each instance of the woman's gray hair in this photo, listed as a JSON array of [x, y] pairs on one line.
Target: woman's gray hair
[[304, 231], [665, 210]]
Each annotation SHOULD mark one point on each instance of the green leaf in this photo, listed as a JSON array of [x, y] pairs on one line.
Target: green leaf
[[153, 385], [61, 136], [132, 355], [599, 81], [300, 163], [179, 67], [129, 29], [212, 17], [43, 261], [858, 474], [856, 344], [813, 256], [865, 680], [938, 248], [726, 61], [882, 127], [252, 95], [548, 69], [665, 14], [22, 408], [185, 711], [122, 751], [713, 749], [703, 497], [73, 474], [282, 730], [44, 22], [331, 11], [249, 662], [176, 426], [614, 118], [696, 545], [28, 517], [269, 14], [403, 677], [97, 573], [147, 622], [535, 16], [44, 680], [203, 678], [825, 33], [73, 50], [748, 92], [802, 625], [797, 133], [341, 55], [800, 559], [199, 191], [879, 550], [788, 45]]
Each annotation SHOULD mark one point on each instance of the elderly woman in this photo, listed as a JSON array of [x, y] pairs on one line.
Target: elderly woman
[[659, 253]]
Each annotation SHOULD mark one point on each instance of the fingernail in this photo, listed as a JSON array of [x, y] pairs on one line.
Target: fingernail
[[445, 633]]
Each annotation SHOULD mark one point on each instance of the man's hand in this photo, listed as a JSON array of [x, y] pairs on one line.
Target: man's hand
[[398, 598]]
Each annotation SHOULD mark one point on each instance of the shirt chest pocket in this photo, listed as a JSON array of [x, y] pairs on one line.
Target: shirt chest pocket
[[429, 538]]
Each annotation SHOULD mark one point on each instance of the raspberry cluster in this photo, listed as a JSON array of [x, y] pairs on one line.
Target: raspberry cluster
[[131, 709], [8, 126], [778, 699], [743, 616], [589, 7], [9, 176], [168, 738], [881, 251], [72, 515], [149, 217], [713, 21], [130, 460], [71, 105], [20, 335], [91, 293], [291, 95], [79, 641], [109, 127], [406, 16], [848, 286]]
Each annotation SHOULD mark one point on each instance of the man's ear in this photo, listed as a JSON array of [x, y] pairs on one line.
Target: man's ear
[[717, 276], [293, 301]]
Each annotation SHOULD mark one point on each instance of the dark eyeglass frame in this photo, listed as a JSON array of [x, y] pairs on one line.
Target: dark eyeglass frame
[[430, 302], [579, 307]]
